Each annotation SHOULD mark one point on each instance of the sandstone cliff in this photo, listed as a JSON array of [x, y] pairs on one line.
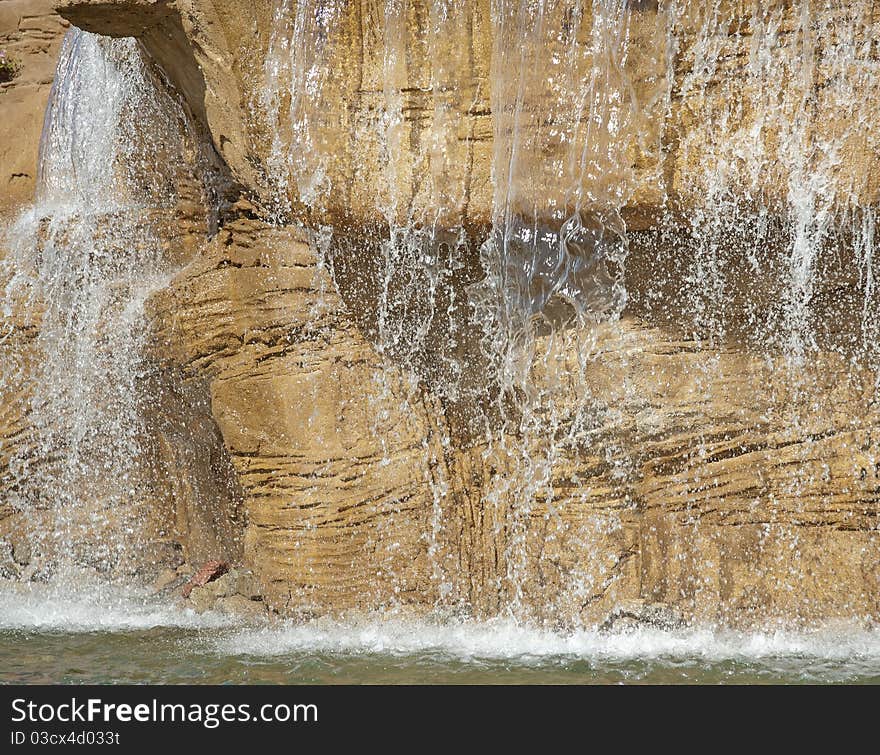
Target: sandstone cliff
[[31, 33], [706, 484], [368, 450]]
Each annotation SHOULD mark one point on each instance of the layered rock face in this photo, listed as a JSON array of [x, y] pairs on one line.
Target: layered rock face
[[712, 480], [31, 33], [525, 307]]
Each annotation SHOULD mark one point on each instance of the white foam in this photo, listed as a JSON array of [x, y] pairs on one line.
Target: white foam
[[98, 608], [508, 640], [826, 654]]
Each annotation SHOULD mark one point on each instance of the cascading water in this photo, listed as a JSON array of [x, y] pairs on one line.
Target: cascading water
[[82, 261], [554, 261], [588, 101], [762, 131], [554, 258]]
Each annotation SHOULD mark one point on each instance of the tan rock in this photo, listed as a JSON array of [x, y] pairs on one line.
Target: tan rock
[[168, 579], [209, 572], [705, 487], [298, 421], [223, 586], [202, 599], [246, 584], [31, 33], [241, 607]]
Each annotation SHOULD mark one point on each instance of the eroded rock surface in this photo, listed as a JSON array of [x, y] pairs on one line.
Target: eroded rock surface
[[684, 464], [708, 483], [31, 33]]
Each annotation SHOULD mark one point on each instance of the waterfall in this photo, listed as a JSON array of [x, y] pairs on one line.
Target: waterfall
[[594, 106], [667, 165], [762, 128], [82, 260], [469, 313]]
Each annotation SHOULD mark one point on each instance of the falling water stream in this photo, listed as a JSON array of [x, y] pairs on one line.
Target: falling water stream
[[81, 263], [503, 324]]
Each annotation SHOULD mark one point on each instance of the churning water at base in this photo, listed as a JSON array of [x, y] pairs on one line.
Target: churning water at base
[[130, 638]]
